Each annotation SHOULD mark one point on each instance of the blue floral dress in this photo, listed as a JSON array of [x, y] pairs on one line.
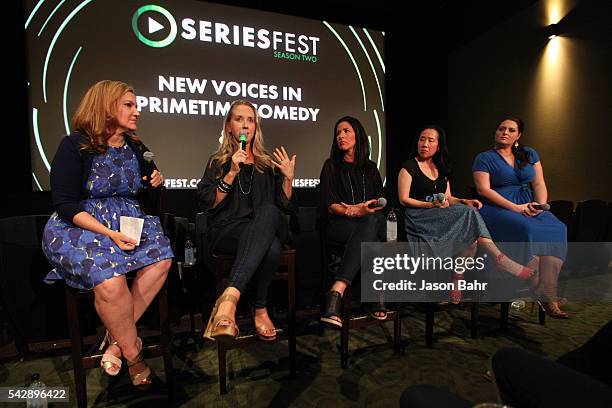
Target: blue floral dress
[[84, 258]]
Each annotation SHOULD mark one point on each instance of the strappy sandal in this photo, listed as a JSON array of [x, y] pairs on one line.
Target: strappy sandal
[[528, 272], [142, 379], [110, 363], [222, 332], [264, 332], [333, 302], [551, 308]]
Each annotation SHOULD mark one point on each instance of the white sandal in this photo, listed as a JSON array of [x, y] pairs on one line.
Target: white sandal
[[110, 363]]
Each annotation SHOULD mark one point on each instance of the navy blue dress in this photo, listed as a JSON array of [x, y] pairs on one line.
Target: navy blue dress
[[84, 258], [544, 234]]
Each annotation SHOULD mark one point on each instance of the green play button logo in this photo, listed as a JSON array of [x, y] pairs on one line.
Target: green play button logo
[[158, 20]]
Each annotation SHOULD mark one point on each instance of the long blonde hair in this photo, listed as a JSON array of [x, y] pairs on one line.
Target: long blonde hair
[[226, 149], [96, 115]]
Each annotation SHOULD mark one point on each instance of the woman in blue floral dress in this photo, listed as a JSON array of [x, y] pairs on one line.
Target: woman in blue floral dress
[[97, 176]]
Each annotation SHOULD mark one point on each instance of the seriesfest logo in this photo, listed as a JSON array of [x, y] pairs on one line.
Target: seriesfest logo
[[155, 27]]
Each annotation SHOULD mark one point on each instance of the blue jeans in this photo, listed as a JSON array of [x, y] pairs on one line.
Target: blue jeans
[[257, 245]]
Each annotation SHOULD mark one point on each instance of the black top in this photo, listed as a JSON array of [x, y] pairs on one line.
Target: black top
[[344, 182], [251, 189], [422, 186], [70, 170]]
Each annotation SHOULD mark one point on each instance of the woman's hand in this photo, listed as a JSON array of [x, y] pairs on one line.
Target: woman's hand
[[239, 157], [124, 242], [441, 204], [473, 203], [527, 210], [361, 209], [284, 164], [156, 179], [537, 212]]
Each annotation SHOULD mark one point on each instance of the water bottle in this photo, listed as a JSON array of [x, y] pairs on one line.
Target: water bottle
[[189, 252], [517, 305], [37, 386], [391, 226]]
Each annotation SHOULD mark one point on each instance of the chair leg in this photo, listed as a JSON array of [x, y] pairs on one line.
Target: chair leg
[[505, 311], [291, 314], [541, 316], [166, 339], [344, 332], [397, 331], [429, 322], [222, 355], [72, 308], [474, 307]]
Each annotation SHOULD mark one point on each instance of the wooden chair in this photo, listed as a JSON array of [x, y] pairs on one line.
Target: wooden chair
[[219, 265]]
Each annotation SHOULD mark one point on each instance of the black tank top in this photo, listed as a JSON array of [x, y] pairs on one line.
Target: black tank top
[[422, 186]]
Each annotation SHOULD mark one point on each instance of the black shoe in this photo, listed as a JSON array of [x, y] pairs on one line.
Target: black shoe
[[333, 303], [378, 307]]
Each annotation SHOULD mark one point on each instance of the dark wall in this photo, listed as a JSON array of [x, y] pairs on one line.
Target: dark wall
[[561, 88]]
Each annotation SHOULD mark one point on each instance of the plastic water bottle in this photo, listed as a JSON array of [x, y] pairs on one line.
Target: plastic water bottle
[[37, 386], [391, 226], [189, 252], [517, 305]]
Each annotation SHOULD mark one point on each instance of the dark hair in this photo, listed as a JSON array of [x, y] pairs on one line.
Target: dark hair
[[519, 151], [362, 147], [441, 158]]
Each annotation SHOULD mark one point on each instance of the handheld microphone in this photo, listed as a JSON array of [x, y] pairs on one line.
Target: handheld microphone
[[242, 138], [435, 197], [543, 207], [381, 202], [148, 157]]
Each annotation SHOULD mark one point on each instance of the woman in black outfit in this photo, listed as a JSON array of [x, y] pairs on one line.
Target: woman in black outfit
[[349, 183], [243, 192]]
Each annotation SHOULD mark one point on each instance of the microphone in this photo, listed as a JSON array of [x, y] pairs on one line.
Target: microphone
[[381, 202], [148, 157], [435, 197], [242, 138], [543, 207]]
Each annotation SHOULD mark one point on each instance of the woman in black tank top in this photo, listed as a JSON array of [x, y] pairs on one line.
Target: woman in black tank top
[[434, 216]]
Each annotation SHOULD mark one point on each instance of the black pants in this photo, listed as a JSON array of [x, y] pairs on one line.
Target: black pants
[[257, 246], [527, 380], [352, 232]]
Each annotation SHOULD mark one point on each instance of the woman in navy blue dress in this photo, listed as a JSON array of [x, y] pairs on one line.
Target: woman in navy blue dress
[[510, 179], [96, 177]]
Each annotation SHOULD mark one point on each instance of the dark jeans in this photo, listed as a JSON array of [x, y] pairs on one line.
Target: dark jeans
[[257, 246], [352, 232], [527, 380]]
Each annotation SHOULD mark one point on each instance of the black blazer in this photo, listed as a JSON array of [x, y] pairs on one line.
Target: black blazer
[[70, 170]]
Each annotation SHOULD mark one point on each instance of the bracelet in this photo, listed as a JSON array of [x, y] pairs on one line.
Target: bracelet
[[223, 186]]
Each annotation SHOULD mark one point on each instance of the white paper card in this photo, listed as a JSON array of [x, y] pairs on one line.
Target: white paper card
[[132, 227]]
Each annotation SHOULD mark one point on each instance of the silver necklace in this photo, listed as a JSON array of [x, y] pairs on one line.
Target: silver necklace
[[250, 183], [351, 185]]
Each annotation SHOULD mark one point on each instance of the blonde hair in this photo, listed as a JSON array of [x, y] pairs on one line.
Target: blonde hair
[[96, 115], [227, 148]]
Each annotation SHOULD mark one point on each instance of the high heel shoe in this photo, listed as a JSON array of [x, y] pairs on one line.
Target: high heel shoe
[[333, 303], [552, 309], [142, 379], [264, 332], [214, 329], [110, 363]]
